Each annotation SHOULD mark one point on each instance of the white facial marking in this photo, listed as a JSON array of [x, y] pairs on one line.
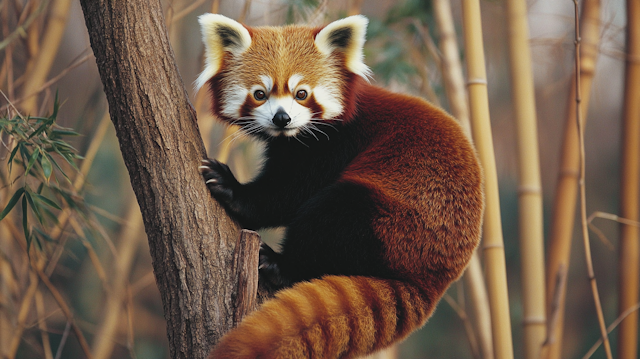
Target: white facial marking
[[267, 81], [294, 80], [328, 98], [233, 97]]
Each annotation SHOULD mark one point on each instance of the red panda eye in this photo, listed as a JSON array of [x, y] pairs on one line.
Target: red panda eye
[[301, 95], [259, 95]]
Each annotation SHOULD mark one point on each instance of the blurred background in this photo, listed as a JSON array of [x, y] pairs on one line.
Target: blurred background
[[89, 250]]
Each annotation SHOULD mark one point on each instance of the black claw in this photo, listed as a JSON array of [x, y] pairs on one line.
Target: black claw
[[219, 179], [270, 273]]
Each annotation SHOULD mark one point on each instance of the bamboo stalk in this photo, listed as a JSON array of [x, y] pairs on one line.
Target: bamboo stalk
[[476, 287], [458, 307], [49, 48], [245, 11], [355, 7], [7, 285], [66, 310], [8, 54], [453, 80], [127, 244], [78, 183], [493, 246], [583, 200], [567, 186], [22, 314], [36, 265], [611, 327], [530, 187], [629, 275], [215, 6], [451, 66], [42, 325]]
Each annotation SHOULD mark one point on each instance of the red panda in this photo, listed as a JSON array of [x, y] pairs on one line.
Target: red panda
[[380, 193]]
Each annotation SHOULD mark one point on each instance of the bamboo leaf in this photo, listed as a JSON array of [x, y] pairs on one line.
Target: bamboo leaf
[[56, 106], [35, 207], [64, 132], [13, 154], [58, 166], [51, 215], [43, 235], [68, 157], [24, 152], [46, 167], [25, 222], [32, 160], [39, 130], [46, 201], [12, 202]]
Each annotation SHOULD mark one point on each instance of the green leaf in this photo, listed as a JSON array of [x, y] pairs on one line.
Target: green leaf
[[20, 132], [52, 217], [69, 158], [24, 152], [12, 202], [25, 223], [69, 199], [43, 235], [42, 127], [32, 160], [13, 154], [56, 106], [58, 166], [64, 132], [47, 201], [46, 166], [35, 207]]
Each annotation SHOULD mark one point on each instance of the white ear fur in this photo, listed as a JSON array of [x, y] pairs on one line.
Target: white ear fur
[[347, 36], [220, 34]]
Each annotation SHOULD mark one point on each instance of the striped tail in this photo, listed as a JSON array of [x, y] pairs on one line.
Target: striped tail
[[333, 317]]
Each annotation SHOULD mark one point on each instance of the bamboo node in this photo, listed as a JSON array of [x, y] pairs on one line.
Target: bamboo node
[[476, 81], [492, 246], [534, 320], [569, 173]]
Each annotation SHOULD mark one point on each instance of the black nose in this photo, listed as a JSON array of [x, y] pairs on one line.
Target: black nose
[[281, 119]]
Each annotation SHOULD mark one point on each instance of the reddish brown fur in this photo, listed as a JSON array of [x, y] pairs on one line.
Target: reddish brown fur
[[333, 317], [345, 317], [425, 182]]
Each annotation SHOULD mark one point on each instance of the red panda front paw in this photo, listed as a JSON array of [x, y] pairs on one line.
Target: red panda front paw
[[219, 179], [270, 275]]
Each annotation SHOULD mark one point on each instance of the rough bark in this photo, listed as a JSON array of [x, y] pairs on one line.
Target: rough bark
[[190, 237]]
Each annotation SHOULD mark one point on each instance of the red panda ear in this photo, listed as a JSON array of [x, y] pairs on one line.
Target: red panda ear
[[346, 36], [220, 34]]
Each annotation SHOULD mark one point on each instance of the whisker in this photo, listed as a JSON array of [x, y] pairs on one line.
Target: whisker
[[307, 129], [324, 123], [319, 130], [297, 139]]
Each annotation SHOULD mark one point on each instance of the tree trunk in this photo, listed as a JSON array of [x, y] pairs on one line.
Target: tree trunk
[[190, 237]]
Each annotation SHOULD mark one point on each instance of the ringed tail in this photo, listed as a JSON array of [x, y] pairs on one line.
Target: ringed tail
[[332, 317]]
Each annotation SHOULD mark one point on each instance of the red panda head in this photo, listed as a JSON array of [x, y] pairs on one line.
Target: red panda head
[[279, 81]]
